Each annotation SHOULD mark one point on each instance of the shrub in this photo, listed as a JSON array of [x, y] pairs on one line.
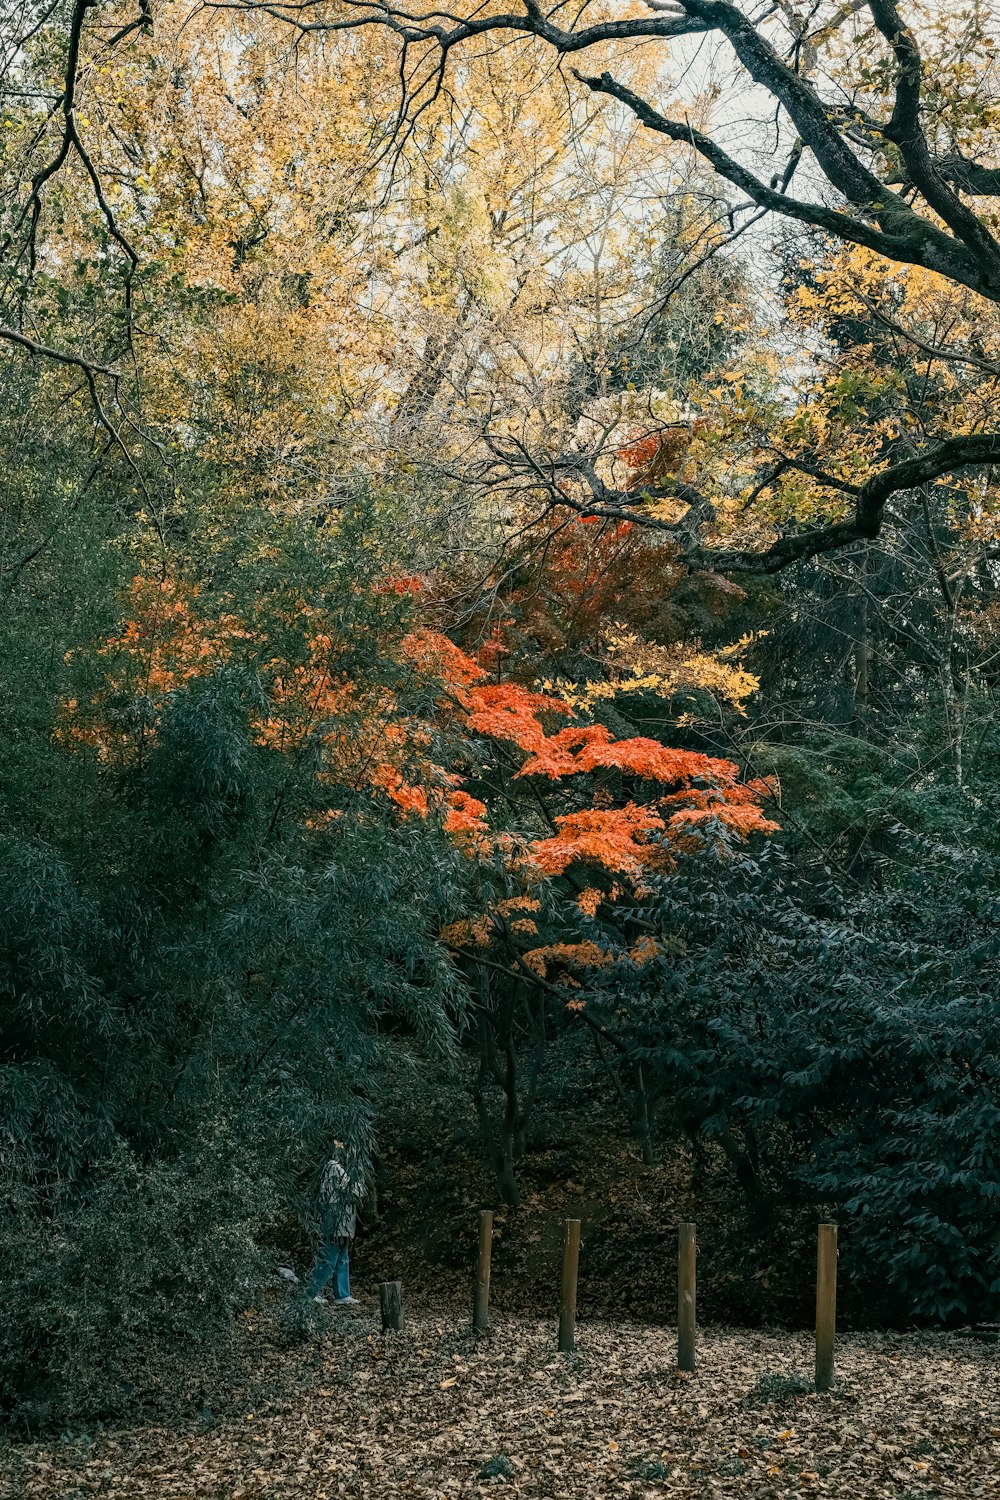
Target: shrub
[[197, 979], [842, 1048]]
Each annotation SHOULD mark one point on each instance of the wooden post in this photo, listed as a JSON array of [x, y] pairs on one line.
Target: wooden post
[[567, 1297], [826, 1303], [390, 1296], [686, 1312], [481, 1298]]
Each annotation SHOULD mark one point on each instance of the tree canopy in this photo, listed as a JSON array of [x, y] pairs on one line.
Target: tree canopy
[[498, 573]]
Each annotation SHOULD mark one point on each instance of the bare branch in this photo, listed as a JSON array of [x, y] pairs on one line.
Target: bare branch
[[902, 235], [946, 457], [59, 356]]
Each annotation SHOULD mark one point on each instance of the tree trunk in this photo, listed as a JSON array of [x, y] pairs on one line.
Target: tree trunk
[[636, 1106], [507, 1187], [745, 1165], [862, 648], [499, 1135], [641, 1117]]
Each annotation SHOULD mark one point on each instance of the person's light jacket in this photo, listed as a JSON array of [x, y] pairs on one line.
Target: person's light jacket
[[340, 1192]]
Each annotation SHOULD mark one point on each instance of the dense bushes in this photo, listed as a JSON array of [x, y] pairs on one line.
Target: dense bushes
[[196, 968], [116, 1281], [843, 1047]]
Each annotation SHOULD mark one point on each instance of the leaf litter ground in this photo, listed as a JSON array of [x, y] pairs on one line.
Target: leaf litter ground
[[438, 1412]]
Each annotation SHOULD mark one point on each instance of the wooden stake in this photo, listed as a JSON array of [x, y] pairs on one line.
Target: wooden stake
[[686, 1280], [567, 1298], [826, 1303], [481, 1298], [390, 1296]]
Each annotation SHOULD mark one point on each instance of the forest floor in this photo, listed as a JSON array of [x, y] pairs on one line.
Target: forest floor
[[583, 1164], [316, 1403], [436, 1412]]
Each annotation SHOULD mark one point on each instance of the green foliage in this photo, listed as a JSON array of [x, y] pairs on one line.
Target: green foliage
[[195, 984], [116, 1277], [499, 1467], [842, 1048], [776, 1388]]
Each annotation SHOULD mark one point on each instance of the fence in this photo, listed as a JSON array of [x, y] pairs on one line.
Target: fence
[[391, 1294]]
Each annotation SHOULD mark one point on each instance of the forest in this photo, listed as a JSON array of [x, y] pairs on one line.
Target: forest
[[499, 664]]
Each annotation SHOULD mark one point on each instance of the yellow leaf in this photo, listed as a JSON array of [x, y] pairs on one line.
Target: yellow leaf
[[452, 1380]]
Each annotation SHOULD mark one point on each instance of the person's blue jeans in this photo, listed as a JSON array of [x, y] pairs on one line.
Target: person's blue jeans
[[332, 1262]]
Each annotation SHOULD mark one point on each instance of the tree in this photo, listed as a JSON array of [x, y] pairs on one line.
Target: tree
[[210, 923], [370, 678], [837, 1043], [321, 289], [564, 826], [910, 180], [905, 615]]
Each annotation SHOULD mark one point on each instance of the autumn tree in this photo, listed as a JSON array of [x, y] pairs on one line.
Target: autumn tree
[[564, 821], [387, 403], [327, 293], [877, 107], [913, 605], [205, 937]]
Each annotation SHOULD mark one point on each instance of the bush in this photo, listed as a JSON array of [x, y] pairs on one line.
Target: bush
[[842, 1047], [198, 973], [121, 1292]]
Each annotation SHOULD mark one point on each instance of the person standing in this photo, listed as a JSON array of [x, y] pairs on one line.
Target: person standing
[[341, 1189]]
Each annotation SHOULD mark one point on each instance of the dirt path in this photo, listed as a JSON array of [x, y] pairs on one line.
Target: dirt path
[[432, 1412]]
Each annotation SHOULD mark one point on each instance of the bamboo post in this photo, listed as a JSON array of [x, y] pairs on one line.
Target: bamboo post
[[686, 1310], [481, 1298], [826, 1303], [567, 1298], [390, 1296]]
